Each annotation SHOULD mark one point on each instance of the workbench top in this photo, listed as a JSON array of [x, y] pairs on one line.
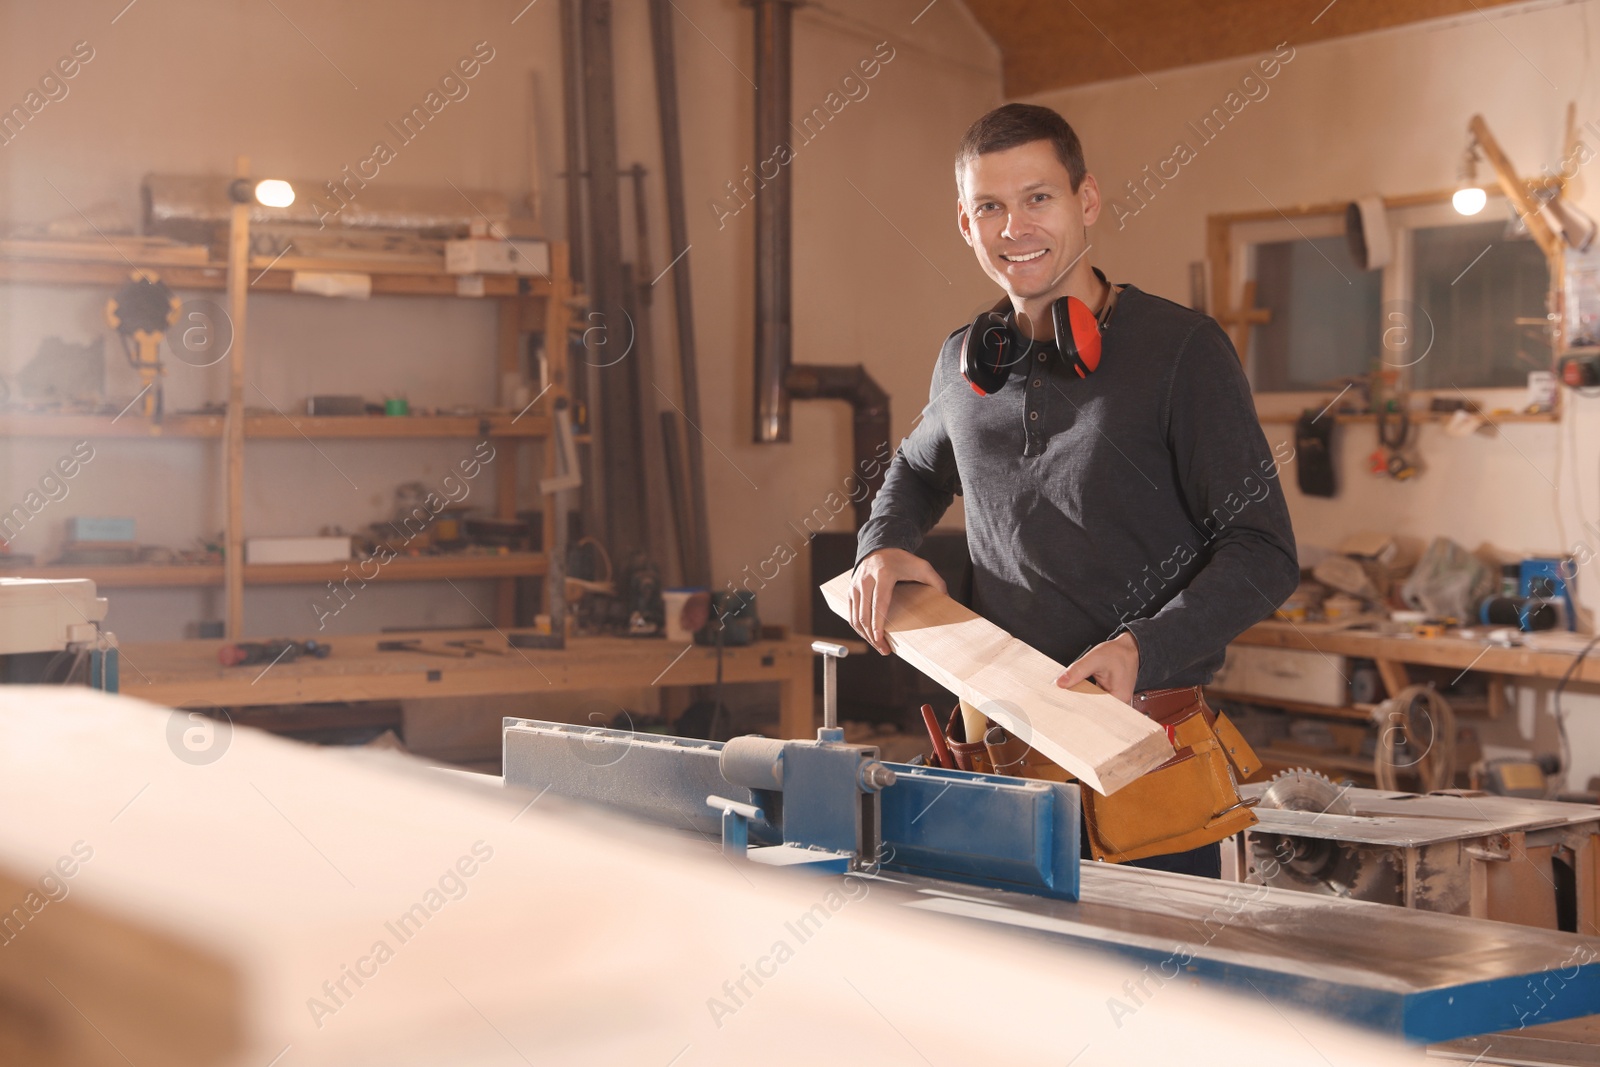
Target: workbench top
[[1461, 649], [188, 674]]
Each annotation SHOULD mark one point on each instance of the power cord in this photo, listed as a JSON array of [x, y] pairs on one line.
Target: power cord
[[1561, 718]]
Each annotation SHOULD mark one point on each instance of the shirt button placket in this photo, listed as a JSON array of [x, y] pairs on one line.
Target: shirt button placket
[[1034, 440]]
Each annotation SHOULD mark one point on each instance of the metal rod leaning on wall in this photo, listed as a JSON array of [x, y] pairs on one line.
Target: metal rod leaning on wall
[[695, 535], [618, 433], [572, 136], [582, 384], [672, 453], [774, 30]]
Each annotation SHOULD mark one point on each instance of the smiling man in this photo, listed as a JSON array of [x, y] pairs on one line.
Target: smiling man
[[1122, 509]]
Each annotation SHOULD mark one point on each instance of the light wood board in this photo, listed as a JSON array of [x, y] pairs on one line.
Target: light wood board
[[1105, 743], [245, 912]]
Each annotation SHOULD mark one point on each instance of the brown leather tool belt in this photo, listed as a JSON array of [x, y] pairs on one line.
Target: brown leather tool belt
[[1189, 801]]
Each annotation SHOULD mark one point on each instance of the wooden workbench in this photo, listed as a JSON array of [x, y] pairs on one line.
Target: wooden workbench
[[1395, 655], [1392, 652], [178, 673]]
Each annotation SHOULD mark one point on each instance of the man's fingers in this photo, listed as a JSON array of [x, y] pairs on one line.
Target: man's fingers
[[880, 612], [1085, 667], [860, 601], [1073, 675]]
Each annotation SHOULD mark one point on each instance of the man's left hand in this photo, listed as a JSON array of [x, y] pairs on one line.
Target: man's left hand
[[1113, 664]]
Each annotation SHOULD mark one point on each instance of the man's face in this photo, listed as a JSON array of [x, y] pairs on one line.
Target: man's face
[[1025, 224]]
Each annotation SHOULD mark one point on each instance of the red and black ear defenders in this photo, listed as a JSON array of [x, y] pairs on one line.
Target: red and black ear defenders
[[991, 348]]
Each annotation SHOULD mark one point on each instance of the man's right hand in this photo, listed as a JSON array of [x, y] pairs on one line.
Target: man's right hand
[[873, 586]]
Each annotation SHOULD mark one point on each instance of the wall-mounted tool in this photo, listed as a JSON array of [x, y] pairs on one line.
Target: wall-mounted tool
[[1394, 434], [140, 312]]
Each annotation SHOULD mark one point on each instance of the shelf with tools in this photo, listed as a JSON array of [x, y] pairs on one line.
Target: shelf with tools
[[400, 569], [525, 304], [1345, 418], [1351, 713], [25, 262], [529, 425]]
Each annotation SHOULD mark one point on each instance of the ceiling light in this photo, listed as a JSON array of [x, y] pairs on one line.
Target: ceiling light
[[1469, 197], [271, 192], [274, 192]]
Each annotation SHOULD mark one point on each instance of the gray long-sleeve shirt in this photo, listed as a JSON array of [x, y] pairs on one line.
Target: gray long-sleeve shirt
[[1142, 497]]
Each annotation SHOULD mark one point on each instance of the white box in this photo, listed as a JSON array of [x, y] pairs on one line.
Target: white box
[[296, 549], [477, 255], [489, 255], [1284, 674], [533, 256]]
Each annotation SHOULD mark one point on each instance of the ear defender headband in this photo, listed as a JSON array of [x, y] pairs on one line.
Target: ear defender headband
[[991, 349]]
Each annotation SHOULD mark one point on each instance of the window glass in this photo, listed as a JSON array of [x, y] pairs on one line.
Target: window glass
[[1472, 285], [1325, 312]]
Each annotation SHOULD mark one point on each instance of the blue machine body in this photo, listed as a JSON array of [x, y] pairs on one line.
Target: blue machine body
[[1004, 852]]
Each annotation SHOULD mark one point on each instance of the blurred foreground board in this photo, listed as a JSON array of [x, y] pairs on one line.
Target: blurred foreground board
[[175, 894], [1105, 743]]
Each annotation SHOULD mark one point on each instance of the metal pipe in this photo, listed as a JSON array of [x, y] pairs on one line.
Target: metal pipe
[[572, 137], [615, 408], [869, 409], [697, 568], [774, 26]]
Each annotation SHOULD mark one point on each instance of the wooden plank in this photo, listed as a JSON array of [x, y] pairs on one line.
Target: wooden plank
[[458, 426], [1355, 713], [117, 249], [233, 426], [275, 426], [400, 569], [1497, 696], [23, 424], [179, 673], [1101, 740], [509, 377], [129, 575], [323, 908], [397, 282], [1394, 675], [1447, 651], [1419, 417]]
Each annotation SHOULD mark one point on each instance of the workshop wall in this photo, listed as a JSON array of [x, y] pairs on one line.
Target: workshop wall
[[304, 90], [1384, 112]]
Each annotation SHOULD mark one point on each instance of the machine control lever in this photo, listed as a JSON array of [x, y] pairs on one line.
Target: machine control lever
[[831, 652]]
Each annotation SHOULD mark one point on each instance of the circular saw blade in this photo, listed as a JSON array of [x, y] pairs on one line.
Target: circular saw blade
[[1310, 864], [1302, 789]]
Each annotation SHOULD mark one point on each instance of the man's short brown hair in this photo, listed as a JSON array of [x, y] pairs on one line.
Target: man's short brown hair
[[1019, 124]]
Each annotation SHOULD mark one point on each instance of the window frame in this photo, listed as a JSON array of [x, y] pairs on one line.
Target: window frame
[[1231, 240]]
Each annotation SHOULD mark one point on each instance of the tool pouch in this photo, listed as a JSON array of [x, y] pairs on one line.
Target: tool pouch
[[1011, 755], [968, 755], [971, 756], [1189, 801]]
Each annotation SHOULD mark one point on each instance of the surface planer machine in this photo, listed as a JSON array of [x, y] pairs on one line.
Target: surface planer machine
[[1004, 851]]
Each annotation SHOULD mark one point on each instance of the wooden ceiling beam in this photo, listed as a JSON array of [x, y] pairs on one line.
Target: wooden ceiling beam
[[1046, 44]]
